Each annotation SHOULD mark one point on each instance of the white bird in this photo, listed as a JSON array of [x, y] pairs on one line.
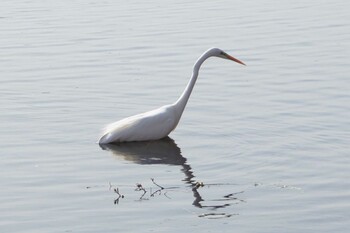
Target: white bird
[[158, 123]]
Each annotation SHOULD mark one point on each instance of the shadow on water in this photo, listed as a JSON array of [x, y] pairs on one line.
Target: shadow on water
[[166, 151]]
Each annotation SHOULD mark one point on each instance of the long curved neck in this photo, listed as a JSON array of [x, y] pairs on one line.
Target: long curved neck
[[180, 104]]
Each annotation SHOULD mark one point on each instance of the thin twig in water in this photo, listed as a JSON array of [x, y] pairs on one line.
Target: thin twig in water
[[232, 194], [116, 201], [117, 192], [158, 190], [157, 184], [165, 194], [139, 187]]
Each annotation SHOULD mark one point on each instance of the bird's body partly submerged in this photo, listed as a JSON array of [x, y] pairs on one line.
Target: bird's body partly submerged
[[151, 125], [158, 123]]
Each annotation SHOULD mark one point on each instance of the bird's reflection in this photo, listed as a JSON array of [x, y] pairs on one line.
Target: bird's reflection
[[164, 151]]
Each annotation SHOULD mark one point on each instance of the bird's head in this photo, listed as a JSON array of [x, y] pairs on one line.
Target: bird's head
[[219, 53]]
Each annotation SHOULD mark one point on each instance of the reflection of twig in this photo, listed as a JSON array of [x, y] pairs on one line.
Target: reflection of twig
[[117, 192], [157, 184], [231, 197], [165, 194], [232, 194], [157, 191], [215, 215], [116, 201]]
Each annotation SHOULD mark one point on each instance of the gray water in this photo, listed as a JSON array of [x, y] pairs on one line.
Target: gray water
[[261, 148]]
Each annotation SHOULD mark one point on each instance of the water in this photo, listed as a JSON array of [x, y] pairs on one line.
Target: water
[[269, 142]]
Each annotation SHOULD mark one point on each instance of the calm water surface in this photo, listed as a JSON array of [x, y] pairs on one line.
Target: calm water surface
[[270, 141]]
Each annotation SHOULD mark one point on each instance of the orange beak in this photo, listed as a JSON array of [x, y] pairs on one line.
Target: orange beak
[[234, 59]]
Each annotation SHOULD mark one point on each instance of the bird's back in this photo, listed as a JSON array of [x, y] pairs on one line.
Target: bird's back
[[151, 125]]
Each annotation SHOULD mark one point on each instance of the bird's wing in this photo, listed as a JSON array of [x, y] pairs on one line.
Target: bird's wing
[[150, 125]]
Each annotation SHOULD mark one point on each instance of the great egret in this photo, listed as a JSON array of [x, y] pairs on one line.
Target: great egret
[[158, 123]]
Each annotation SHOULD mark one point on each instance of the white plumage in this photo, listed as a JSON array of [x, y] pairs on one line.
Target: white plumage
[[158, 123], [151, 125]]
